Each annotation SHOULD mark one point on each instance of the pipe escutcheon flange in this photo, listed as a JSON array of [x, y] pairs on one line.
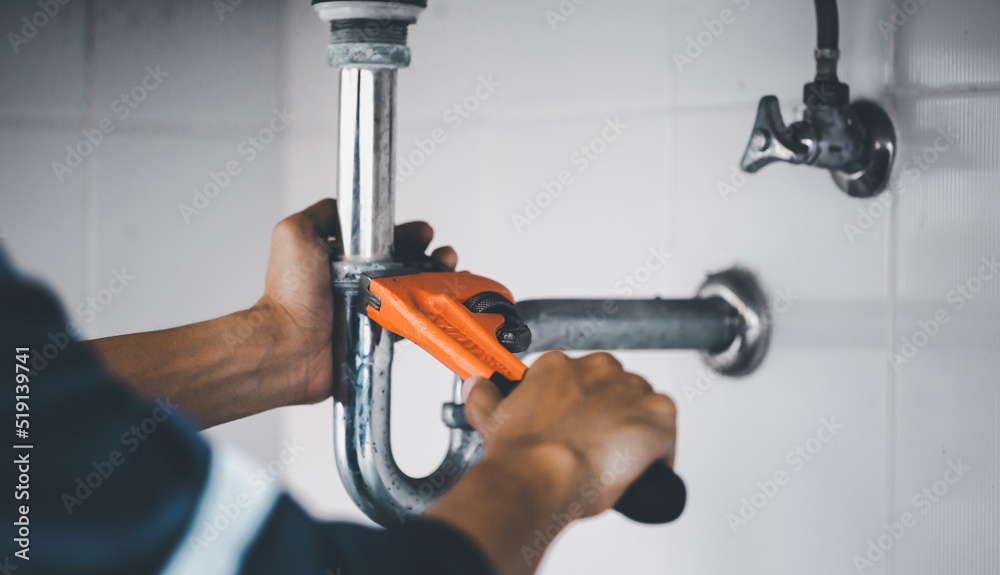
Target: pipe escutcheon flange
[[880, 136], [741, 289]]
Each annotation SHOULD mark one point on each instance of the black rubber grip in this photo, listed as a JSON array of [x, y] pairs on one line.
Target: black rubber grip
[[658, 496]]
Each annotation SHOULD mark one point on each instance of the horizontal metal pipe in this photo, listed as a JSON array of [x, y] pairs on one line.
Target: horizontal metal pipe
[[709, 324]]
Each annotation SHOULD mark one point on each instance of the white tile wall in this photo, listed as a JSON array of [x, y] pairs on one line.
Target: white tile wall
[[657, 186], [118, 211], [43, 67], [943, 44], [947, 398], [47, 243]]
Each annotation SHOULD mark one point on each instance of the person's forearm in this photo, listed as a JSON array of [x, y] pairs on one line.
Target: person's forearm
[[507, 499], [218, 370]]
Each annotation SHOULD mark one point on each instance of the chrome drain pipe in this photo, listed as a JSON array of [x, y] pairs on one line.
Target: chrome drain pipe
[[368, 45], [727, 321]]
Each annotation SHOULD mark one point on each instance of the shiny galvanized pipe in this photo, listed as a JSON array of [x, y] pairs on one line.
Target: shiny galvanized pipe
[[365, 194], [368, 56], [362, 359], [729, 322], [709, 324], [362, 350]]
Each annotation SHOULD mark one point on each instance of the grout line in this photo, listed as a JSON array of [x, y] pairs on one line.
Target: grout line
[[286, 419], [670, 197], [892, 289], [283, 96], [137, 126], [90, 212], [954, 90]]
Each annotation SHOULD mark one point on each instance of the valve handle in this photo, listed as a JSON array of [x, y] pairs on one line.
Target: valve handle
[[771, 141]]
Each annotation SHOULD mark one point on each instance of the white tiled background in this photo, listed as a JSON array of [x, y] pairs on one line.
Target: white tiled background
[[657, 186]]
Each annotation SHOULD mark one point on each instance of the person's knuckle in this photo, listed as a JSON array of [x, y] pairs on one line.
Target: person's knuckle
[[554, 356], [605, 360], [663, 404], [639, 383], [286, 228], [474, 407]]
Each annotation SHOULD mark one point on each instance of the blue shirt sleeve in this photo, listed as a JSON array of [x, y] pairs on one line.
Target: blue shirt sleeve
[[114, 481]]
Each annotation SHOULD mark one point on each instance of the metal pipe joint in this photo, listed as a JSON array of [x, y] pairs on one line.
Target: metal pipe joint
[[727, 322]]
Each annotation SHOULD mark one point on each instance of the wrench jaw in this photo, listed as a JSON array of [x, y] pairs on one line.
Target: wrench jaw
[[468, 323], [459, 318]]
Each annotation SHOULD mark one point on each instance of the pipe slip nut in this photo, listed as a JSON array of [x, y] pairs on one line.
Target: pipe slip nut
[[369, 34]]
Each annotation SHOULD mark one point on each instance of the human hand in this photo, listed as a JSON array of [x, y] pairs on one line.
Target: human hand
[[598, 426], [298, 298]]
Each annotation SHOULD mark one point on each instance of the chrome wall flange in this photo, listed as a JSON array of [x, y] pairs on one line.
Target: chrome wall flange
[[740, 288], [880, 138]]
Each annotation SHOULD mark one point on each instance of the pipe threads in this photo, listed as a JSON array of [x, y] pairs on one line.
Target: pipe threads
[[368, 31]]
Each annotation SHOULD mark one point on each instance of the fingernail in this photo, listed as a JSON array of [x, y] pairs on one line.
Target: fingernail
[[467, 386]]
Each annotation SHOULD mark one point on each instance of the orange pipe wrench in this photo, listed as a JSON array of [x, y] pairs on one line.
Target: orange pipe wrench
[[471, 325], [467, 322]]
